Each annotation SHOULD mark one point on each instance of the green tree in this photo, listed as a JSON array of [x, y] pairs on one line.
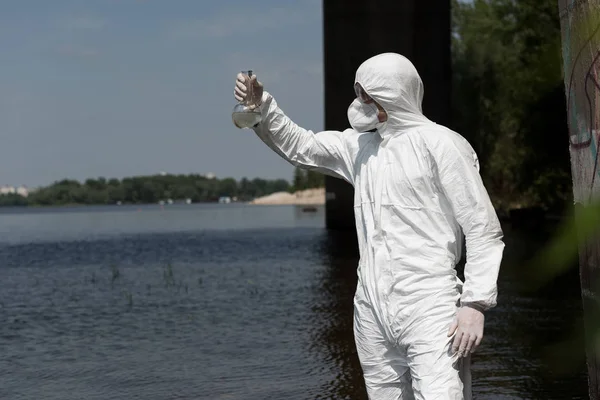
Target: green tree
[[508, 98], [113, 182], [279, 185], [12, 199], [314, 179], [299, 181], [228, 187]]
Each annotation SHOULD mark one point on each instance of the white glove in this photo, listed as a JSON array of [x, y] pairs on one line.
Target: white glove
[[468, 325], [241, 90]]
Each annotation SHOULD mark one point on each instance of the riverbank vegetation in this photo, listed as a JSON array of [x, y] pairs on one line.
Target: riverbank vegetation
[[508, 99], [156, 188]]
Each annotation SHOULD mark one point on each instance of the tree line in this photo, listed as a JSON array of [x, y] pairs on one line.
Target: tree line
[[509, 99], [155, 188]]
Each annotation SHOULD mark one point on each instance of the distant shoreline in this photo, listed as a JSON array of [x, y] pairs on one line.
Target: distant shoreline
[[301, 197]]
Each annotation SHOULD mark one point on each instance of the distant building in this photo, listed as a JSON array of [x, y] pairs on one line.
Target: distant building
[[20, 190], [23, 191], [5, 189], [210, 175]]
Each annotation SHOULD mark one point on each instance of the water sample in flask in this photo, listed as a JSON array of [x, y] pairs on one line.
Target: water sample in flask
[[245, 114]]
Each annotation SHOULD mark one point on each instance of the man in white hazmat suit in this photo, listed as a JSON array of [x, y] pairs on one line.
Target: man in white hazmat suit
[[417, 190]]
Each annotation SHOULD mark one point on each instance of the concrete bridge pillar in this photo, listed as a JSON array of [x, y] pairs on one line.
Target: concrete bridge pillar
[[355, 30]]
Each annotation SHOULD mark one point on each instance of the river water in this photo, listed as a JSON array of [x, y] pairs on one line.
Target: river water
[[232, 302]]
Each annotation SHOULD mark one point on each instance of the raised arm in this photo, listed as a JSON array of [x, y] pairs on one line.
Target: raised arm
[[325, 151]]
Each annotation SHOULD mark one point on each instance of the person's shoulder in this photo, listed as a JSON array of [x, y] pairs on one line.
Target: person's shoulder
[[441, 140], [354, 138]]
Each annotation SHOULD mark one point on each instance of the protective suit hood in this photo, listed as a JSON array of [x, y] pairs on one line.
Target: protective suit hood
[[393, 82]]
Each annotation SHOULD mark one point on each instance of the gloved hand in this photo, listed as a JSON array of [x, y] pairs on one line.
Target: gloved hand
[[241, 90], [468, 325]]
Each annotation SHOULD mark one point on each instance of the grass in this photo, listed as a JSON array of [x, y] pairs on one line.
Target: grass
[[169, 278], [115, 273]]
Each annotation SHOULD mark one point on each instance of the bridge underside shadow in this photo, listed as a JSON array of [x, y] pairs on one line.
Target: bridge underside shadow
[[355, 30]]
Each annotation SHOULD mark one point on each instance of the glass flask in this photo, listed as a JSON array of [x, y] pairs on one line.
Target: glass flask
[[245, 114]]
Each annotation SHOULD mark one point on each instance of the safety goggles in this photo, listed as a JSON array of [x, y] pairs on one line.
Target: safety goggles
[[361, 95]]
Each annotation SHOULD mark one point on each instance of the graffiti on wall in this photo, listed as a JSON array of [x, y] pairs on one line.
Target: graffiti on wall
[[580, 30], [580, 26]]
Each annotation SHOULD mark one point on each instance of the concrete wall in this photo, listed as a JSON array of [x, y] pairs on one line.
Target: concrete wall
[[581, 56], [355, 30]]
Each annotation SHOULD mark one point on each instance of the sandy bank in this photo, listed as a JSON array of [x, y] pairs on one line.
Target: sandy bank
[[302, 197]]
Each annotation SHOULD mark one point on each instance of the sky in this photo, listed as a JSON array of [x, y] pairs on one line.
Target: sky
[[118, 88]]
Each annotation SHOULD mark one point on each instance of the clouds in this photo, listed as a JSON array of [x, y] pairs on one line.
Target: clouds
[[76, 36], [78, 52], [243, 22], [113, 77], [86, 23], [276, 69]]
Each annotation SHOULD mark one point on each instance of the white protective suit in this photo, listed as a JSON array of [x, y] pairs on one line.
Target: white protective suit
[[417, 190]]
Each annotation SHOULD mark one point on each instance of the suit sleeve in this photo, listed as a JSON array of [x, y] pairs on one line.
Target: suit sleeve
[[458, 173], [325, 151]]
